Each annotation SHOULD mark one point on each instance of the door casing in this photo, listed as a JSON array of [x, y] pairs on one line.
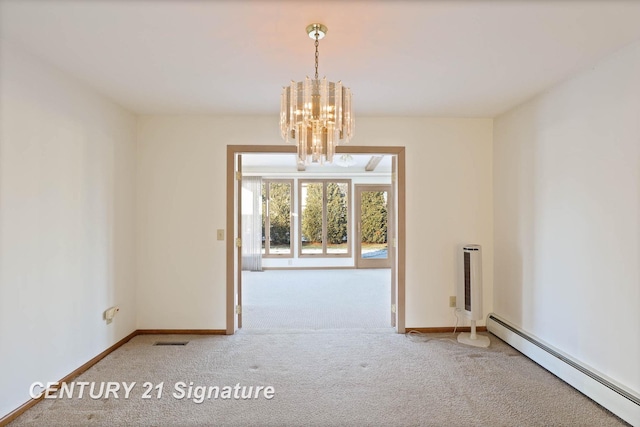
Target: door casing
[[233, 255]]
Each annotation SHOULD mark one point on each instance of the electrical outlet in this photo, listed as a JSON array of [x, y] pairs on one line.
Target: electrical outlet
[[110, 313], [452, 301], [220, 234]]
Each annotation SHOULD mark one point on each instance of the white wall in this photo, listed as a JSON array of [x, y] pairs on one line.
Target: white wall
[[567, 216], [67, 160], [181, 203]]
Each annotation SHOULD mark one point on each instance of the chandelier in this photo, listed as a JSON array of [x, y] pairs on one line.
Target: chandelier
[[316, 114]]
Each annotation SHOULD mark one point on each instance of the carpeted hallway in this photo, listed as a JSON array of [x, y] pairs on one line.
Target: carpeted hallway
[[316, 299]]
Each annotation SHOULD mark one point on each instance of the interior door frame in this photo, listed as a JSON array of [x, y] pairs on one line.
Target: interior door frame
[[233, 252], [374, 262]]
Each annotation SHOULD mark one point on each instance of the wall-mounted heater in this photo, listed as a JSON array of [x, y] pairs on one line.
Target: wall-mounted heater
[[469, 298]]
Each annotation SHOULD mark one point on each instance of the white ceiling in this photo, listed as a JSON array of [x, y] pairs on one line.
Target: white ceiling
[[266, 163], [435, 58]]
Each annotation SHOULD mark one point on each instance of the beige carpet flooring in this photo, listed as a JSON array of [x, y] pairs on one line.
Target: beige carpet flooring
[[327, 378], [316, 299]]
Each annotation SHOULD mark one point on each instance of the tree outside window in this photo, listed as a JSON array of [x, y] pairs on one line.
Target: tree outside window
[[324, 220], [276, 217]]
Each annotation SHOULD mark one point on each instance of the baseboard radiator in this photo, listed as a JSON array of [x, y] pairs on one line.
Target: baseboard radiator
[[616, 398]]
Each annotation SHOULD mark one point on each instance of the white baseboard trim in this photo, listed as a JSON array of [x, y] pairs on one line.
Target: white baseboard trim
[[618, 399]]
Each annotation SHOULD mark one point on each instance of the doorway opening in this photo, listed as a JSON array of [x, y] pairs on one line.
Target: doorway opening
[[316, 299], [347, 227]]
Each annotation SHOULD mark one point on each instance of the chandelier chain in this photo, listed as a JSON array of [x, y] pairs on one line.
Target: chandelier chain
[[317, 54]]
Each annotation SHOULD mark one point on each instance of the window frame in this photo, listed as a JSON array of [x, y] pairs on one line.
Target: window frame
[[267, 222], [324, 183]]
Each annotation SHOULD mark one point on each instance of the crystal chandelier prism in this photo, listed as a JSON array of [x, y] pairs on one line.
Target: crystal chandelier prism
[[316, 114]]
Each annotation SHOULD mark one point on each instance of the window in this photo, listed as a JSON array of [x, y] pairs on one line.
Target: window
[[324, 217], [277, 198]]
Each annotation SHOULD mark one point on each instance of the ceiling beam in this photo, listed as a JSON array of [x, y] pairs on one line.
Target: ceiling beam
[[373, 163]]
